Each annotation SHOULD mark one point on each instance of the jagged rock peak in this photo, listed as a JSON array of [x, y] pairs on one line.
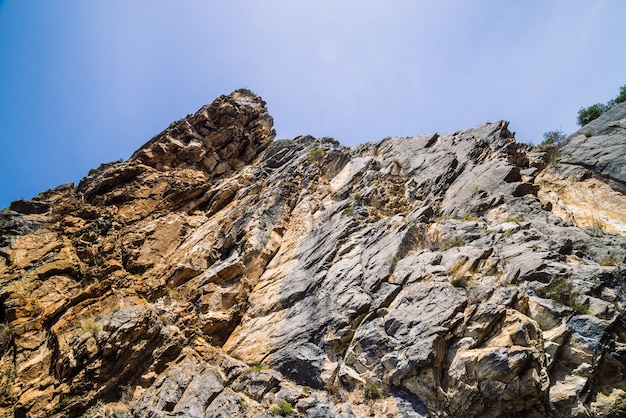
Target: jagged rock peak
[[229, 132], [216, 140]]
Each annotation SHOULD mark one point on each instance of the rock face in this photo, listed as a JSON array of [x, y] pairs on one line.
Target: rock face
[[220, 273]]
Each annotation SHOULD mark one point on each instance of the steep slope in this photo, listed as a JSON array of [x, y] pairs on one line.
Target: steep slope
[[218, 272]]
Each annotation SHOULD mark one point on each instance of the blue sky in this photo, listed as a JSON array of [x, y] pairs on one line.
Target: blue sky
[[85, 82]]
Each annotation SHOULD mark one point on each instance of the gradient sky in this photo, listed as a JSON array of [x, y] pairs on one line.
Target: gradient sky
[[84, 82]]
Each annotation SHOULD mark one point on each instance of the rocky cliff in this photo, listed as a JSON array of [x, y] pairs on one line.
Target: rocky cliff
[[219, 272]]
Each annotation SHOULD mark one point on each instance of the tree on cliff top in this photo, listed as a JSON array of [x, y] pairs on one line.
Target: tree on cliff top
[[586, 115]]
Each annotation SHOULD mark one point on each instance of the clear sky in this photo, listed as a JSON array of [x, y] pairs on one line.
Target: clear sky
[[84, 82]]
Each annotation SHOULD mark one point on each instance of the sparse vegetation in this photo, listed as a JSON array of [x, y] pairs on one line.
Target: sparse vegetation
[[552, 138], [453, 241], [552, 155], [91, 327], [283, 408], [435, 240], [316, 155], [608, 261], [430, 238], [595, 225], [371, 391], [560, 290], [470, 217], [460, 282], [579, 308], [621, 97], [509, 232]]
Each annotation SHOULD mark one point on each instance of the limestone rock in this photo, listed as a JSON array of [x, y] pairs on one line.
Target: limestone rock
[[598, 146], [221, 273]]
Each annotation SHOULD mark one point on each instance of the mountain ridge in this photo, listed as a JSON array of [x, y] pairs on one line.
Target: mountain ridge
[[219, 271]]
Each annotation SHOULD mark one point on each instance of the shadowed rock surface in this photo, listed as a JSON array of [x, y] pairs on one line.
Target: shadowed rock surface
[[220, 273]]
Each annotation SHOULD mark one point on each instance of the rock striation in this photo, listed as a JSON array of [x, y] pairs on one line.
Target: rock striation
[[220, 273]]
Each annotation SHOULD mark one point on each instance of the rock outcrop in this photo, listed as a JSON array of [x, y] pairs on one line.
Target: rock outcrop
[[220, 273]]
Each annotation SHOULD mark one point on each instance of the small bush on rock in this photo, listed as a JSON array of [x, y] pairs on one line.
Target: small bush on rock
[[621, 97], [552, 138], [587, 114], [595, 225], [460, 282], [316, 155], [283, 408], [371, 391], [560, 290], [91, 327], [453, 241]]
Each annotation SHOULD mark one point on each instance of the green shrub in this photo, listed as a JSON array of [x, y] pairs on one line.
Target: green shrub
[[91, 327], [586, 115], [552, 138], [283, 408], [453, 241], [460, 282], [371, 391], [470, 217], [560, 290], [621, 97], [579, 308], [316, 155]]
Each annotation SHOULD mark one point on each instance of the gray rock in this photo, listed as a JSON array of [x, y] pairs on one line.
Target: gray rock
[[256, 383], [226, 405], [598, 146]]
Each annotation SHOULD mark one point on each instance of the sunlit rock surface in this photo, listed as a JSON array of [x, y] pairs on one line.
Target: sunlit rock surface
[[219, 272]]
